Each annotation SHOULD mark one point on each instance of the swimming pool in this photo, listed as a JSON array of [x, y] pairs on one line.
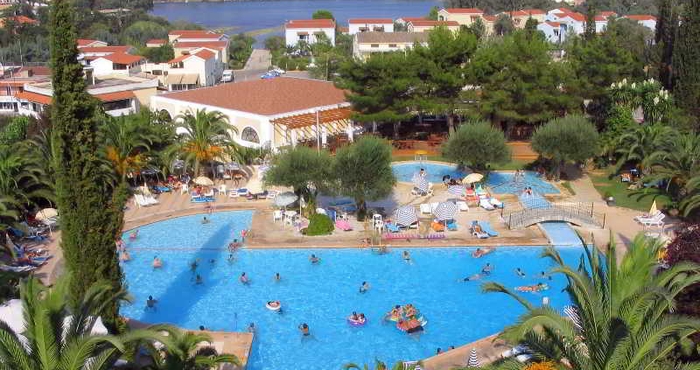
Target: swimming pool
[[323, 295], [499, 182]]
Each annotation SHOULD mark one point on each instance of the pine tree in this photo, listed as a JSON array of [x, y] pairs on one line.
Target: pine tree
[[686, 60], [589, 32], [666, 28], [90, 206]]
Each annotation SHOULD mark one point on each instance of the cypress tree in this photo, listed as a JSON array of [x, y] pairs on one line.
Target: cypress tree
[[666, 28], [686, 60], [589, 32], [89, 203]]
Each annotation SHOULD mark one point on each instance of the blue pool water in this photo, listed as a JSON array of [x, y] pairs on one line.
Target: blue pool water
[[499, 182], [323, 295]]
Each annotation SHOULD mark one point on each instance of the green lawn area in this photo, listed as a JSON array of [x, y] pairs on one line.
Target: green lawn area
[[510, 166], [639, 200]]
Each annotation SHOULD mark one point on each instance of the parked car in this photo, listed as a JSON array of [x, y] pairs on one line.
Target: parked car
[[227, 76], [278, 70]]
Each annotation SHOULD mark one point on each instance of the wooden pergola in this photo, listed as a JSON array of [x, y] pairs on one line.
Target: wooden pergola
[[310, 125]]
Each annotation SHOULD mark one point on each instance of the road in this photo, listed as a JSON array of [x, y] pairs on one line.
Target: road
[[259, 62]]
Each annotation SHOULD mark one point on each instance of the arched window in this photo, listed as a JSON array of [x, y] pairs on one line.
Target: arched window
[[249, 134]]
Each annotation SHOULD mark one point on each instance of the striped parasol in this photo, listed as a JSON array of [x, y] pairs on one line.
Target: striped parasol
[[405, 215], [420, 182], [473, 360], [445, 211], [458, 190], [570, 311]]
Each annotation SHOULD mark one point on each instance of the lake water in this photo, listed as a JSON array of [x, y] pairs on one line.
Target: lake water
[[245, 16]]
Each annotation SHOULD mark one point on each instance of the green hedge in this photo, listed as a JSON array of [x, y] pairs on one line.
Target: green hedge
[[319, 225]]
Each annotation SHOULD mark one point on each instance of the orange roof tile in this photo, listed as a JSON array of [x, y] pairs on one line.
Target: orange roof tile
[[641, 17], [534, 11], [115, 96], [576, 16], [608, 13], [123, 58], [34, 97], [554, 24], [157, 41], [371, 21], [430, 23], [86, 42], [217, 45], [310, 23], [516, 13], [411, 19], [266, 97], [196, 34], [205, 54], [490, 18], [600, 18], [179, 59], [561, 10], [464, 10]]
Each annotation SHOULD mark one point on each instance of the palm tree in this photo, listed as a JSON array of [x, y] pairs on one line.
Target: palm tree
[[182, 350], [624, 320], [691, 202], [205, 137], [127, 142], [678, 163], [638, 145], [56, 337], [379, 365]]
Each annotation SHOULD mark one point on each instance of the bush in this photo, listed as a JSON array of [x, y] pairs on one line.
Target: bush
[[476, 144], [568, 139], [319, 225], [15, 131]]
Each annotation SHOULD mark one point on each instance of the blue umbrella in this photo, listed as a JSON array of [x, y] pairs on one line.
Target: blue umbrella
[[405, 215], [445, 211]]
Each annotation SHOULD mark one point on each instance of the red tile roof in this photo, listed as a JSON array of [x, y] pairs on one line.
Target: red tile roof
[[534, 11], [430, 23], [641, 17], [600, 18], [179, 59], [490, 18], [464, 10], [310, 23], [576, 16], [411, 19], [205, 54], [516, 13], [115, 96], [123, 58], [608, 13], [561, 10], [157, 41], [371, 21], [217, 45], [106, 49], [86, 42], [266, 97], [34, 97], [196, 34], [554, 24]]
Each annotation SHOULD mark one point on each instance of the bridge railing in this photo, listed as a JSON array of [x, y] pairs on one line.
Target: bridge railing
[[578, 213]]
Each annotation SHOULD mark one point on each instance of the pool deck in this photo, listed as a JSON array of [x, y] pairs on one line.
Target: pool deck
[[265, 233]]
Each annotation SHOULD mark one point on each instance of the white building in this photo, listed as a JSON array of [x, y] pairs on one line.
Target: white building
[[120, 95], [308, 30], [368, 43], [357, 25], [552, 31], [198, 69], [117, 63], [463, 16], [274, 113], [648, 21]]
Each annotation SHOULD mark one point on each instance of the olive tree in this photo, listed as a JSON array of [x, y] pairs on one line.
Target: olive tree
[[569, 139], [363, 171], [476, 144]]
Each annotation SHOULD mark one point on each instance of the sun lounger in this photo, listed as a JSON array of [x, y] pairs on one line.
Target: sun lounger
[[141, 201], [242, 192], [451, 225], [486, 227], [657, 220], [26, 268], [331, 214], [391, 227], [647, 216], [462, 205], [477, 231], [495, 202], [485, 204], [201, 199], [343, 225]]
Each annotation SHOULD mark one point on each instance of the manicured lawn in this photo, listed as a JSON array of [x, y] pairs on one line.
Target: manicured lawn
[[639, 200]]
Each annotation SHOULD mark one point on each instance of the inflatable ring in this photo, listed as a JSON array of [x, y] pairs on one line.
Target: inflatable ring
[[356, 323], [273, 308]]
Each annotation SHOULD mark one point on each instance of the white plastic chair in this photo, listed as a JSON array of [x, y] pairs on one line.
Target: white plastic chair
[[463, 206], [184, 189], [277, 215], [425, 208], [222, 189]]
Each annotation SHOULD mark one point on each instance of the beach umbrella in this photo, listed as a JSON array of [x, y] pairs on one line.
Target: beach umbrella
[[457, 190], [46, 214], [445, 211], [653, 210], [204, 181], [472, 178], [473, 360], [570, 312], [420, 182], [285, 199], [405, 215], [178, 164]]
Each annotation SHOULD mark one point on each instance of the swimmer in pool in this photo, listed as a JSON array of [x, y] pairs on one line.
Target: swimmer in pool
[[198, 280], [244, 279], [277, 276], [194, 265], [473, 277], [205, 220], [314, 260], [487, 269], [364, 287], [304, 328], [125, 256], [157, 263], [406, 256], [251, 328], [134, 234], [519, 272], [230, 257], [151, 303]]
